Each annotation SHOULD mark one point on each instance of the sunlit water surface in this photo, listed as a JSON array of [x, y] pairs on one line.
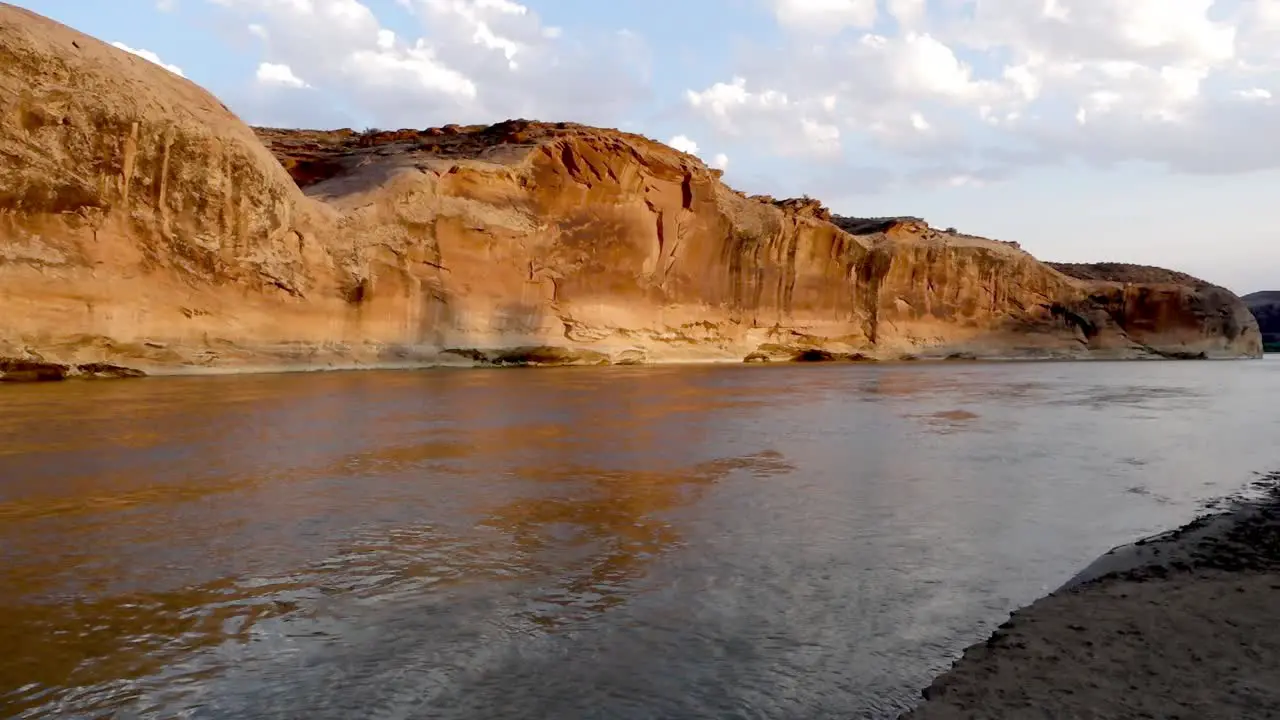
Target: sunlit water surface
[[739, 542]]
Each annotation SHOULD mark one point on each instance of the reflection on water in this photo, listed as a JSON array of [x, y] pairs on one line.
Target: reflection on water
[[948, 421], [604, 542], [615, 518]]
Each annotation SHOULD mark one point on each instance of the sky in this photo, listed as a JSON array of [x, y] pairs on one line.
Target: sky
[[1087, 130]]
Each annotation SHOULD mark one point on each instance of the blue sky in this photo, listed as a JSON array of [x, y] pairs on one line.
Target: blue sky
[[1087, 130]]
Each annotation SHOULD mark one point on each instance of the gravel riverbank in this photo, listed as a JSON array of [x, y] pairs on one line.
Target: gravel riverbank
[[1185, 624]]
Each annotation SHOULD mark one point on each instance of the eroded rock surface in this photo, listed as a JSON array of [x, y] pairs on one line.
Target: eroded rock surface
[[143, 225]]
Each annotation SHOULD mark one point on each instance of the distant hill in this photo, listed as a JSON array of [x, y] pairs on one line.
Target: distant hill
[[1265, 306], [1262, 297]]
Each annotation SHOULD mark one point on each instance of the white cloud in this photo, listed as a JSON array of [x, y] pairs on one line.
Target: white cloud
[[148, 55], [825, 106], [793, 128], [720, 161], [824, 16], [822, 137], [994, 84], [684, 144], [907, 13], [166, 5], [722, 100], [478, 16], [468, 61], [277, 74], [1151, 31], [409, 68]]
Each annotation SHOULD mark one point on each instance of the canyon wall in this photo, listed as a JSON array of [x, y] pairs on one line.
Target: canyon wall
[[143, 226]]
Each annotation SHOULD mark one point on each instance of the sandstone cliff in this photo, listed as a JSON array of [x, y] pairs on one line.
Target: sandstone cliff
[[1265, 307], [1152, 302], [143, 225]]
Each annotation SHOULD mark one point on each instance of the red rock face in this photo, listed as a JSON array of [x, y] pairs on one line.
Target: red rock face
[[146, 226]]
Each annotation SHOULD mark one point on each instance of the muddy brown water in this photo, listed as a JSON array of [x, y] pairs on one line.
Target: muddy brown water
[[652, 542]]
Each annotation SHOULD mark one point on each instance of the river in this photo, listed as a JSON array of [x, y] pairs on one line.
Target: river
[[648, 542]]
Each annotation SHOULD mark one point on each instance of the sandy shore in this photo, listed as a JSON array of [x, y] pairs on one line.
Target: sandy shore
[[1185, 624]]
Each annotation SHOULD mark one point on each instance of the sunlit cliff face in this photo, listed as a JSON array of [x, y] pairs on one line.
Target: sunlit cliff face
[[149, 227]]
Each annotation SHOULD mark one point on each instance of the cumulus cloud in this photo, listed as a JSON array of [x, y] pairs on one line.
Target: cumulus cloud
[[470, 61], [991, 85], [277, 74], [684, 144], [148, 55], [794, 127]]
